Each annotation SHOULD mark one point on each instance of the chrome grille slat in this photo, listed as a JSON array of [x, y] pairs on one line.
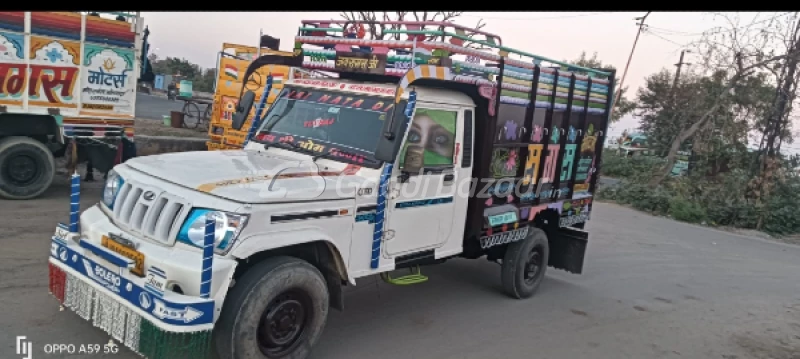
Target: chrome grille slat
[[157, 219]]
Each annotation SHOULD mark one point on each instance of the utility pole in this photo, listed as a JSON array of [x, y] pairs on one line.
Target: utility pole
[[678, 71], [624, 73]]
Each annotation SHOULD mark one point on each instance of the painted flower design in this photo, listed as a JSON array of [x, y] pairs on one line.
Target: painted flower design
[[53, 55]]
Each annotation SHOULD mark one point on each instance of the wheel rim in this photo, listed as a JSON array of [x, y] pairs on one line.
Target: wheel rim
[[283, 323], [533, 266], [21, 169]]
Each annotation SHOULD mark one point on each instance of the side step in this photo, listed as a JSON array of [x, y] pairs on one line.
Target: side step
[[415, 277]]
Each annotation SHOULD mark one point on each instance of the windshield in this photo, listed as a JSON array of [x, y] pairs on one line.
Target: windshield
[[345, 125]]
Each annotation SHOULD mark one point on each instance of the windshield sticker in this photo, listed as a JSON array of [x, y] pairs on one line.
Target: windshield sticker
[[320, 122], [310, 145], [341, 100]]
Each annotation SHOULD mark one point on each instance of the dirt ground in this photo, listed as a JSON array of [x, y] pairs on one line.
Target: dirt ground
[[157, 128]]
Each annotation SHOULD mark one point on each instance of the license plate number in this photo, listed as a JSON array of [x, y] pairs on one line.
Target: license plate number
[[136, 256]]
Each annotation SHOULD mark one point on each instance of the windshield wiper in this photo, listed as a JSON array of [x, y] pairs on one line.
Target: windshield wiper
[[314, 158]]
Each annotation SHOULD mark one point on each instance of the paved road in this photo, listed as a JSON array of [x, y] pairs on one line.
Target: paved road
[[653, 288], [153, 107]]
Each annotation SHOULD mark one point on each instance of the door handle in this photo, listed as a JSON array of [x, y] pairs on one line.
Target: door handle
[[449, 177]]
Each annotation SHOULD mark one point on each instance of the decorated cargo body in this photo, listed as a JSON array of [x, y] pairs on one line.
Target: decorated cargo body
[[422, 150], [67, 88], [232, 63]]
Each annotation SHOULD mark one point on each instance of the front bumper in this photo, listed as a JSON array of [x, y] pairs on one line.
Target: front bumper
[[98, 286]]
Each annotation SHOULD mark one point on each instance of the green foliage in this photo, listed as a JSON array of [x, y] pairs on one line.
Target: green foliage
[[202, 80], [719, 202], [684, 210], [636, 169]]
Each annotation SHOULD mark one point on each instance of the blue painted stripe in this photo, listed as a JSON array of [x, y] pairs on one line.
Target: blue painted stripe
[[56, 34], [75, 204], [380, 215], [108, 255], [12, 27], [208, 258], [367, 216], [424, 202], [261, 104], [158, 271], [154, 291], [103, 40]]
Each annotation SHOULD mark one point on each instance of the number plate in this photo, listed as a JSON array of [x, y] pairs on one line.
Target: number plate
[[136, 256], [503, 218]]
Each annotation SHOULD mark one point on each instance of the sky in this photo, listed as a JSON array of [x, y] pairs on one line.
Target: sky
[[198, 36]]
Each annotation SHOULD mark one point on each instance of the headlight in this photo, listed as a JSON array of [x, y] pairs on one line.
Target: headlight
[[113, 183], [226, 228]]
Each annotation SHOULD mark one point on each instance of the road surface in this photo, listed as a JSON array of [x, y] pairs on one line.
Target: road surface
[[154, 107], [652, 288]]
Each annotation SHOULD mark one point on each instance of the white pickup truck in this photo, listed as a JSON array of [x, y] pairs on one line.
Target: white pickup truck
[[245, 250]]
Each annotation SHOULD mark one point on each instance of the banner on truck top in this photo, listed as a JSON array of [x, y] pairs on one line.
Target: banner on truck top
[[108, 82]]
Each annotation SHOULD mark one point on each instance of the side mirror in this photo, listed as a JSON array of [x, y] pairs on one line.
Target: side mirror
[[394, 127], [243, 110]]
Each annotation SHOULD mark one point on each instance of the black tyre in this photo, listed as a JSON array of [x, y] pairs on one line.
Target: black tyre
[[27, 168], [277, 309], [525, 264]]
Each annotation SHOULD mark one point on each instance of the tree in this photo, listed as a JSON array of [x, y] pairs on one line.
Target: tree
[[720, 144], [624, 106], [731, 53], [202, 80]]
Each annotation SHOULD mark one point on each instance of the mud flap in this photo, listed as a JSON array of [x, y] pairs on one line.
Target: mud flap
[[567, 249]]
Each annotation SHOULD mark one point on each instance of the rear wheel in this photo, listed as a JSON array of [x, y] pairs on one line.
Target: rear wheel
[[27, 168], [276, 310], [525, 264]]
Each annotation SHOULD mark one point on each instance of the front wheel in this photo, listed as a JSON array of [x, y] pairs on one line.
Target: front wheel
[[276, 310], [524, 264], [27, 168]]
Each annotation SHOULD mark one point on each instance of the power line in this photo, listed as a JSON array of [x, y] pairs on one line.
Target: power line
[[684, 33], [663, 38], [537, 18]]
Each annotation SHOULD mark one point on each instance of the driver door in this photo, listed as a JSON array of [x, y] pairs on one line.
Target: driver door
[[420, 210]]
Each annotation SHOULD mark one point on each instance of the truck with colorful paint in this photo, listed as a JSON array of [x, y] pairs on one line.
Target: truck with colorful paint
[[422, 150], [67, 88]]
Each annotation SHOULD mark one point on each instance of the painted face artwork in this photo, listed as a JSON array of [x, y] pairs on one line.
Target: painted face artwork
[[431, 137]]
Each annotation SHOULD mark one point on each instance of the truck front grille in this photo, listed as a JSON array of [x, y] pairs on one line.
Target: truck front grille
[[157, 218]]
